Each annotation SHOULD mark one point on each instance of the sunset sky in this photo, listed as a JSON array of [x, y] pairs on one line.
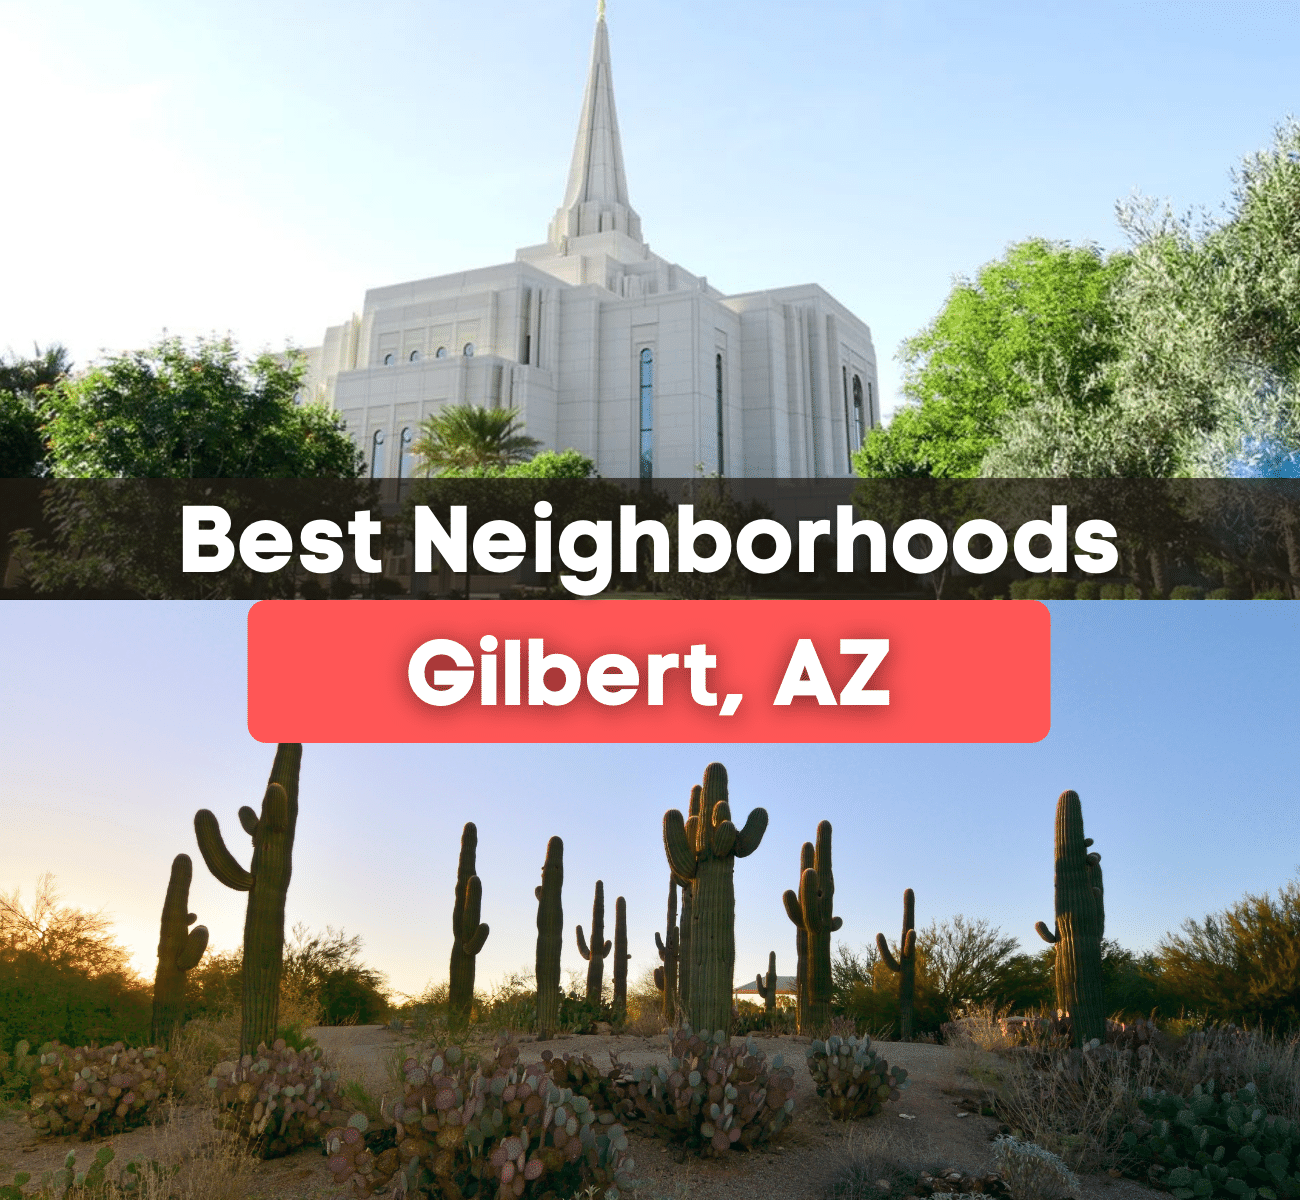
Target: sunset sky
[[255, 166], [1174, 721]]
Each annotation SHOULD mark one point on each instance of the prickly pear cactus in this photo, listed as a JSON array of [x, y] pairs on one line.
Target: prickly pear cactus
[[467, 933], [179, 950], [852, 1079], [276, 1100], [91, 1091], [768, 990], [267, 883], [68, 1180], [598, 951], [703, 850], [550, 939], [905, 965], [713, 1095], [666, 975], [620, 959], [1080, 924], [812, 910]]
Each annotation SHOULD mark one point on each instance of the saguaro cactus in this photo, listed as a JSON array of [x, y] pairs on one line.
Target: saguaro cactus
[[905, 967], [267, 882], [704, 850], [769, 992], [467, 933], [806, 855], [813, 910], [179, 949], [620, 958], [550, 938], [666, 976], [1080, 924], [684, 925], [598, 951]]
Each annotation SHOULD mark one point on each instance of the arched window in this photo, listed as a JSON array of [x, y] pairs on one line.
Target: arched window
[[857, 409], [469, 350], [414, 356], [647, 413], [377, 455], [388, 360], [441, 352], [718, 368], [404, 456]]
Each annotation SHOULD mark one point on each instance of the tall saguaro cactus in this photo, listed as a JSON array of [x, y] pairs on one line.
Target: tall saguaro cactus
[[467, 933], [769, 992], [267, 882], [813, 910], [598, 951], [806, 854], [179, 949], [905, 967], [550, 939], [1080, 924], [703, 849], [684, 925], [666, 975], [620, 959]]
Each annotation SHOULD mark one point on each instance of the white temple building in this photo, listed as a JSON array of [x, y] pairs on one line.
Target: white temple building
[[604, 347]]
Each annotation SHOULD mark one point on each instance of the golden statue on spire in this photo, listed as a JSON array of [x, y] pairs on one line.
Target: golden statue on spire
[[600, 10]]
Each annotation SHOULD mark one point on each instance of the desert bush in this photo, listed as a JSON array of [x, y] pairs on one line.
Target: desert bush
[[714, 1095], [748, 1017], [1235, 1058], [277, 1100], [1032, 1173], [92, 1092], [17, 1070], [852, 1079]]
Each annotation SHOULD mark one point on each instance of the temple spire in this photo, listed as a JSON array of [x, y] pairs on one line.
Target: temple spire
[[595, 200]]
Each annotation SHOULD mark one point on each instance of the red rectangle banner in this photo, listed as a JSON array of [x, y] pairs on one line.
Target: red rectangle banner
[[608, 671]]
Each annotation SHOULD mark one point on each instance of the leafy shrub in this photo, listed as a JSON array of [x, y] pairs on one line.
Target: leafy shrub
[[714, 1095], [93, 1092], [277, 1100], [851, 1078]]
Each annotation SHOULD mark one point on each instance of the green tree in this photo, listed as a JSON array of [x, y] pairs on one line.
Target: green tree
[[466, 439], [1040, 318], [22, 380], [964, 959], [203, 412]]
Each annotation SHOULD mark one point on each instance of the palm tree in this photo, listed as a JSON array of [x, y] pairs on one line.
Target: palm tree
[[467, 439]]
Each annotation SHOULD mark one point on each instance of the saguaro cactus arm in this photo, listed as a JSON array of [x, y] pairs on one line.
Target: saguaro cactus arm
[[473, 933], [1048, 935], [220, 861]]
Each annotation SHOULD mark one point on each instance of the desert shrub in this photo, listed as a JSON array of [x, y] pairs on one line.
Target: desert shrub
[[92, 1092], [749, 1017], [713, 1095], [17, 1070], [1032, 1173], [1235, 1058], [851, 1078], [473, 1128], [277, 1100]]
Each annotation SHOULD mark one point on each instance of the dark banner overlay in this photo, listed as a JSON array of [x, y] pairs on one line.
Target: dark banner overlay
[[719, 671], [683, 539]]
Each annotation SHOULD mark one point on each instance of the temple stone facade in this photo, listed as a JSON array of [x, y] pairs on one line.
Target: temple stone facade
[[605, 347]]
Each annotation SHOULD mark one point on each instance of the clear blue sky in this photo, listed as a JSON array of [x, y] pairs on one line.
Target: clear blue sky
[[1174, 721], [255, 166]]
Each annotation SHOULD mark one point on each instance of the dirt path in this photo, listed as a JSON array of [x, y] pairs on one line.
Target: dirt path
[[928, 1128]]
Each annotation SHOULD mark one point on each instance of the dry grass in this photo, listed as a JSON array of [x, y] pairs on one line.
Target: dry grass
[[874, 1163], [1232, 1058], [198, 1048]]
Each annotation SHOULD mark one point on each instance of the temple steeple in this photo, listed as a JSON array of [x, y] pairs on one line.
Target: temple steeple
[[595, 200]]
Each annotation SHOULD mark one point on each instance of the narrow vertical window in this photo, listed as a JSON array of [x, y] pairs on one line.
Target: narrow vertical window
[[404, 456], [377, 455], [857, 409], [647, 413], [718, 368]]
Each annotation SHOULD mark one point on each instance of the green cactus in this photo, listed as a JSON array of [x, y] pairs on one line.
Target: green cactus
[[550, 938], [905, 966], [598, 951], [806, 856], [813, 910], [769, 992], [703, 850], [467, 933], [267, 883], [1080, 924], [620, 959], [684, 926], [179, 950], [666, 976]]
